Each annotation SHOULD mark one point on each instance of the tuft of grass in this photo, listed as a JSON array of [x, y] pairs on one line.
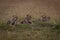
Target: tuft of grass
[[57, 26], [43, 24], [24, 27], [5, 27]]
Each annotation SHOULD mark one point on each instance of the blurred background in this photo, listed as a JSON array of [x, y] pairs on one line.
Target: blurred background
[[36, 8]]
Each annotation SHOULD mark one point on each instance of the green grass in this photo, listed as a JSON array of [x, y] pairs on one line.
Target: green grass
[[36, 31], [3, 26]]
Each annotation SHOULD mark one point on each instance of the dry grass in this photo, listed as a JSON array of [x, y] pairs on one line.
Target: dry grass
[[35, 8]]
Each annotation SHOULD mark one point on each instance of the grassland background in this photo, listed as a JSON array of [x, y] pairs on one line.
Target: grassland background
[[36, 8]]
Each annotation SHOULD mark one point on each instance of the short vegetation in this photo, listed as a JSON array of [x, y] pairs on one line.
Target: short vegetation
[[38, 30]]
